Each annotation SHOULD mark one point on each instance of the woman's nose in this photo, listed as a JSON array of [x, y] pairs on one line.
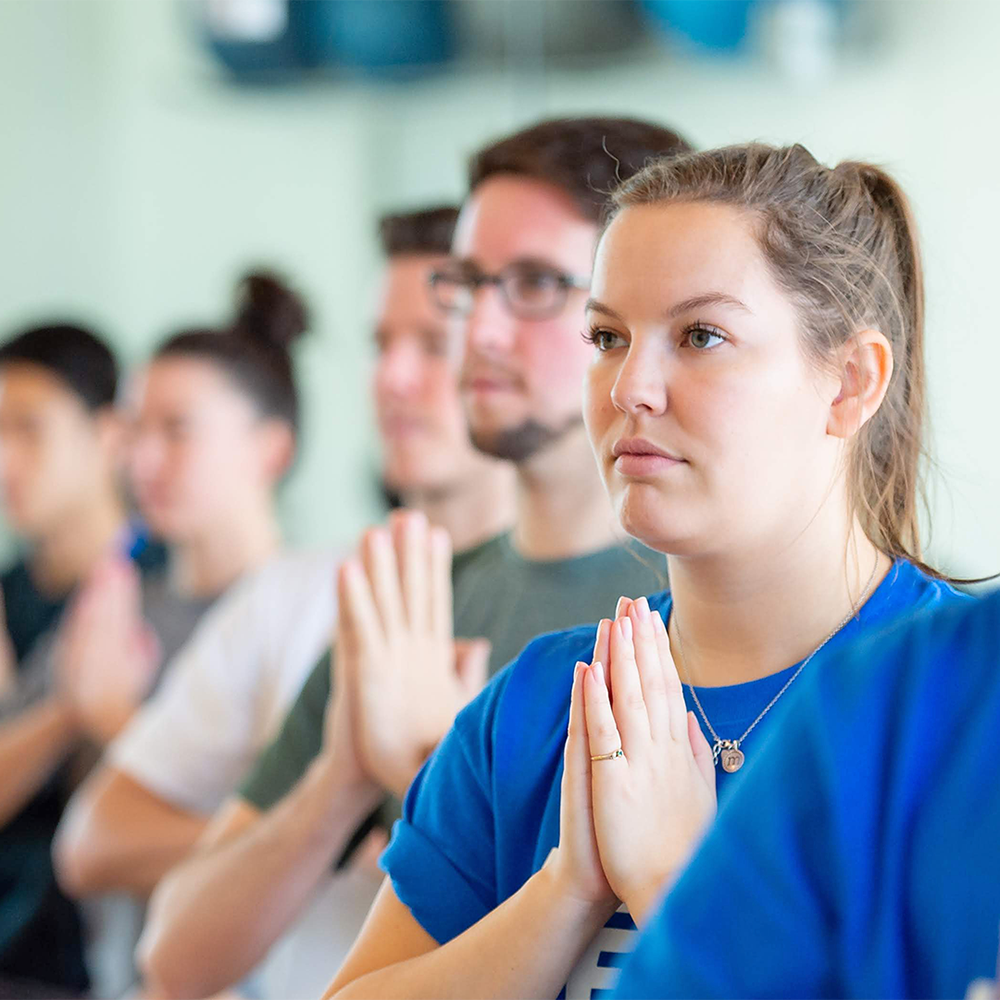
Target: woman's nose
[[641, 384]]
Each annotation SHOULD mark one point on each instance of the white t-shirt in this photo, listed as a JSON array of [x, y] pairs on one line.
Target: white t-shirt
[[228, 689]]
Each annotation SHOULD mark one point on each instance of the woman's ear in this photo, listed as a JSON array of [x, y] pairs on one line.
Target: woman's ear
[[277, 440], [866, 368]]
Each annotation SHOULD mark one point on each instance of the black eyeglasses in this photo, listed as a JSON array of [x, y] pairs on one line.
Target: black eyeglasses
[[528, 291]]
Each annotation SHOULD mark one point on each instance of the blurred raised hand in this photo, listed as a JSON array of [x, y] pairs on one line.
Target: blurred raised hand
[[107, 655], [410, 676]]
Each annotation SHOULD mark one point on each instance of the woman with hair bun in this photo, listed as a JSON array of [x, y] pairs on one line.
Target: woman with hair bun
[[216, 423], [213, 426], [214, 430]]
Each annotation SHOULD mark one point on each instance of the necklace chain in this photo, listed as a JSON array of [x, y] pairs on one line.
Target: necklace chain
[[721, 744]]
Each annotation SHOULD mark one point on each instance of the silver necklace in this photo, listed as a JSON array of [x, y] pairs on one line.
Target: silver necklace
[[729, 750]]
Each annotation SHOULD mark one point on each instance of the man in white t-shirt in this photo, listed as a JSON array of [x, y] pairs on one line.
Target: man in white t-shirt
[[230, 687]]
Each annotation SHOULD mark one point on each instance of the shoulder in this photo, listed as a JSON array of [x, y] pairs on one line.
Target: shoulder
[[533, 690], [943, 648], [530, 696], [284, 588], [911, 588], [484, 554], [294, 573]]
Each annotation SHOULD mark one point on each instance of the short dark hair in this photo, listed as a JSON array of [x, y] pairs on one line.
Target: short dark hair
[[254, 351], [585, 157], [425, 231], [75, 355]]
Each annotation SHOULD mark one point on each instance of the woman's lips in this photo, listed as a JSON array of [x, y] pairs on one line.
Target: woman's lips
[[635, 456], [640, 465]]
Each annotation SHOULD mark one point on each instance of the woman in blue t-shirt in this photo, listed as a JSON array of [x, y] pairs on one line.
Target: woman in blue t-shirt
[[755, 405]]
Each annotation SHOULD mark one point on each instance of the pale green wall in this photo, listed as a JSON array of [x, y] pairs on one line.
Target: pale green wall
[[136, 186]]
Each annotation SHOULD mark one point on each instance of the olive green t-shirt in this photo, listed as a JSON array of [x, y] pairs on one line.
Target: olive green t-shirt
[[498, 595]]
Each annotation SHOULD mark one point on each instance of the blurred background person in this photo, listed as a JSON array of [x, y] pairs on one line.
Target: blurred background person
[[231, 686], [214, 418], [60, 455], [198, 408]]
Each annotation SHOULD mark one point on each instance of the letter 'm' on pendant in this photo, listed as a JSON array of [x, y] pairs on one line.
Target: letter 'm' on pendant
[[732, 758]]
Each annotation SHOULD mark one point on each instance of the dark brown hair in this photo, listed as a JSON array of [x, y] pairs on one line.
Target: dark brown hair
[[425, 231], [254, 350], [585, 157], [842, 243], [75, 355]]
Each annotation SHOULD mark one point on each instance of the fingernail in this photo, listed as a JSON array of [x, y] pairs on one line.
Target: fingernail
[[625, 624], [599, 670], [643, 605]]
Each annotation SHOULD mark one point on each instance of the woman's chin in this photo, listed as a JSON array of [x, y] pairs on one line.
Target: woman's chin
[[650, 520]]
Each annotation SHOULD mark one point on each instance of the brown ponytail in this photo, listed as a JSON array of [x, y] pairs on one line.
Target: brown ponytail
[[886, 461], [843, 244]]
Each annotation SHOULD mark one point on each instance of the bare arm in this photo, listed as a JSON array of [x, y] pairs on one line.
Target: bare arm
[[527, 947], [32, 744], [118, 835], [217, 915]]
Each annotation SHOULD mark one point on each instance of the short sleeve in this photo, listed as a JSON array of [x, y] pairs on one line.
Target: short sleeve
[[442, 857], [297, 744], [194, 739]]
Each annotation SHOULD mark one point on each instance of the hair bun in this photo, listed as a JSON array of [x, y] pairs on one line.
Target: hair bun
[[269, 311]]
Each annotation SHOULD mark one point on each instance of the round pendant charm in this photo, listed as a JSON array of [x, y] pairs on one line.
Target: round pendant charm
[[732, 758]]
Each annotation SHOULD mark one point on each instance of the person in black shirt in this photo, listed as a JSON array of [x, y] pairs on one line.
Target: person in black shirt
[[60, 448]]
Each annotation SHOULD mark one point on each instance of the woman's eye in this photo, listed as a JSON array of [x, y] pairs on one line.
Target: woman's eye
[[702, 338], [604, 340]]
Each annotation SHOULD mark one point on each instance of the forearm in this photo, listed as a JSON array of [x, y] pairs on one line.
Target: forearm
[[116, 836], [32, 745], [217, 915], [527, 947]]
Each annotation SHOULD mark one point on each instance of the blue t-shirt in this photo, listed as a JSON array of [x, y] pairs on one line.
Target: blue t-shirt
[[483, 814], [860, 855]]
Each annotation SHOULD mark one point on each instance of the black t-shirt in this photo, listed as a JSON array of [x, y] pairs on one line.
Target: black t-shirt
[[40, 930]]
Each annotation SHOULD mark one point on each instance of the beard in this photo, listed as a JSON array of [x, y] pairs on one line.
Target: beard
[[518, 444]]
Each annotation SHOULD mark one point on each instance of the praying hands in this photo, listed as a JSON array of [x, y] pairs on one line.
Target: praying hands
[[396, 648], [639, 779]]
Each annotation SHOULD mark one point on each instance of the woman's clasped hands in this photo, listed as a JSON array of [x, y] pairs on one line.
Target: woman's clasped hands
[[629, 820]]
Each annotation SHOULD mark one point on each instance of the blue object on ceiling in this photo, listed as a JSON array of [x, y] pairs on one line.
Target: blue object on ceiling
[[390, 37], [376, 37], [254, 56], [720, 25]]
